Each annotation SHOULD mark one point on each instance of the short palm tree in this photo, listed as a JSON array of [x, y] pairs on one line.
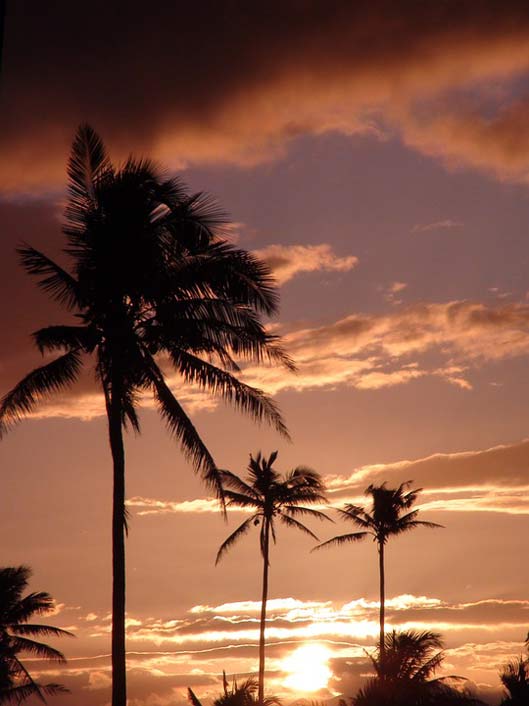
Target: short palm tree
[[152, 285], [405, 672], [16, 637], [271, 497], [243, 694], [515, 678], [387, 517]]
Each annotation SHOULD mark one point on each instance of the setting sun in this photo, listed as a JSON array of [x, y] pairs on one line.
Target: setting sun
[[307, 668]]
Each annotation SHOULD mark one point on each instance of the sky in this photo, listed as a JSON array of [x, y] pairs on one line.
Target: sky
[[376, 155]]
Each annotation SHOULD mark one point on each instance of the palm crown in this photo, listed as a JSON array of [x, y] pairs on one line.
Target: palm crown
[[16, 637], [153, 280], [273, 498], [405, 674]]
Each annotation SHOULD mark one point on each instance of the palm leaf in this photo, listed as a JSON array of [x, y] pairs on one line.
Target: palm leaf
[[182, 427], [54, 280], [295, 524], [88, 162], [44, 630], [245, 398], [53, 377], [241, 530], [39, 649], [68, 337], [341, 539], [294, 510]]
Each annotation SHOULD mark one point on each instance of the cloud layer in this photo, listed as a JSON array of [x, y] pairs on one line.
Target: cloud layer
[[238, 85]]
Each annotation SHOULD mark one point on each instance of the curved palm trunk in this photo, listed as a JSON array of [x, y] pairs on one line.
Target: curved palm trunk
[[115, 432], [264, 597], [382, 614]]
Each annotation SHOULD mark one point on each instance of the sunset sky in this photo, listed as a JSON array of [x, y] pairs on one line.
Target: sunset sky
[[376, 154]]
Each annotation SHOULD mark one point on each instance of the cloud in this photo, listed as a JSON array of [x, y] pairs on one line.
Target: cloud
[[491, 480], [500, 468], [287, 261], [466, 136], [259, 80], [371, 351], [447, 224]]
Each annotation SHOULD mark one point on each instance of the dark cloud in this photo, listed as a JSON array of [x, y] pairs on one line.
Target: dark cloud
[[231, 81]]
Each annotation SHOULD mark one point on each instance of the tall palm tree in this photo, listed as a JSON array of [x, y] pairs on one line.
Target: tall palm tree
[[16, 637], [243, 694], [271, 497], [153, 285], [405, 674], [387, 517]]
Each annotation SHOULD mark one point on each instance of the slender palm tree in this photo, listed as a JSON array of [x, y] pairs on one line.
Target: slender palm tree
[[515, 678], [405, 674], [271, 497], [16, 637], [386, 517], [153, 285], [243, 694]]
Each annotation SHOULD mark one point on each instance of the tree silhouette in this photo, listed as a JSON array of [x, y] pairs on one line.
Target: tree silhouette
[[387, 517], [16, 637], [405, 672], [238, 695], [515, 678], [153, 283], [271, 498]]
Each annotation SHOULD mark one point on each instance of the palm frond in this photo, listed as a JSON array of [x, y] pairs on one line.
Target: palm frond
[[183, 428], [241, 530], [39, 649], [53, 377], [233, 482], [341, 539], [294, 510], [247, 399], [192, 698], [65, 337], [42, 630], [88, 162], [54, 280], [295, 524]]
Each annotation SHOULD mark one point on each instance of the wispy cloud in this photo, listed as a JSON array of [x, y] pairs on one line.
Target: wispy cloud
[[288, 261], [447, 224]]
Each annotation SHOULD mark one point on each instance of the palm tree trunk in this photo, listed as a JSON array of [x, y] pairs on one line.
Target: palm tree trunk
[[382, 599], [115, 432], [264, 597]]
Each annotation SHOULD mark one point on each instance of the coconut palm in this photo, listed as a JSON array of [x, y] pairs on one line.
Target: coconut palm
[[16, 637], [237, 695], [405, 674], [387, 517], [515, 678], [271, 497], [153, 285]]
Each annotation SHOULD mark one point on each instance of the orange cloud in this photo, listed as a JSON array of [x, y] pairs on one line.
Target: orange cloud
[[287, 261], [259, 80]]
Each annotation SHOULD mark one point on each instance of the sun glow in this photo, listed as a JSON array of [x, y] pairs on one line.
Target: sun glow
[[307, 668]]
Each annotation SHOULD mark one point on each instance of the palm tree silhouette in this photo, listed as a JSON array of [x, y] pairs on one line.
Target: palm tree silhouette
[[238, 695], [405, 672], [515, 678], [271, 497], [384, 519], [153, 281], [16, 637]]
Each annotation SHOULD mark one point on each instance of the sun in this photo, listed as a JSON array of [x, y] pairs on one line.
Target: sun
[[307, 668]]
